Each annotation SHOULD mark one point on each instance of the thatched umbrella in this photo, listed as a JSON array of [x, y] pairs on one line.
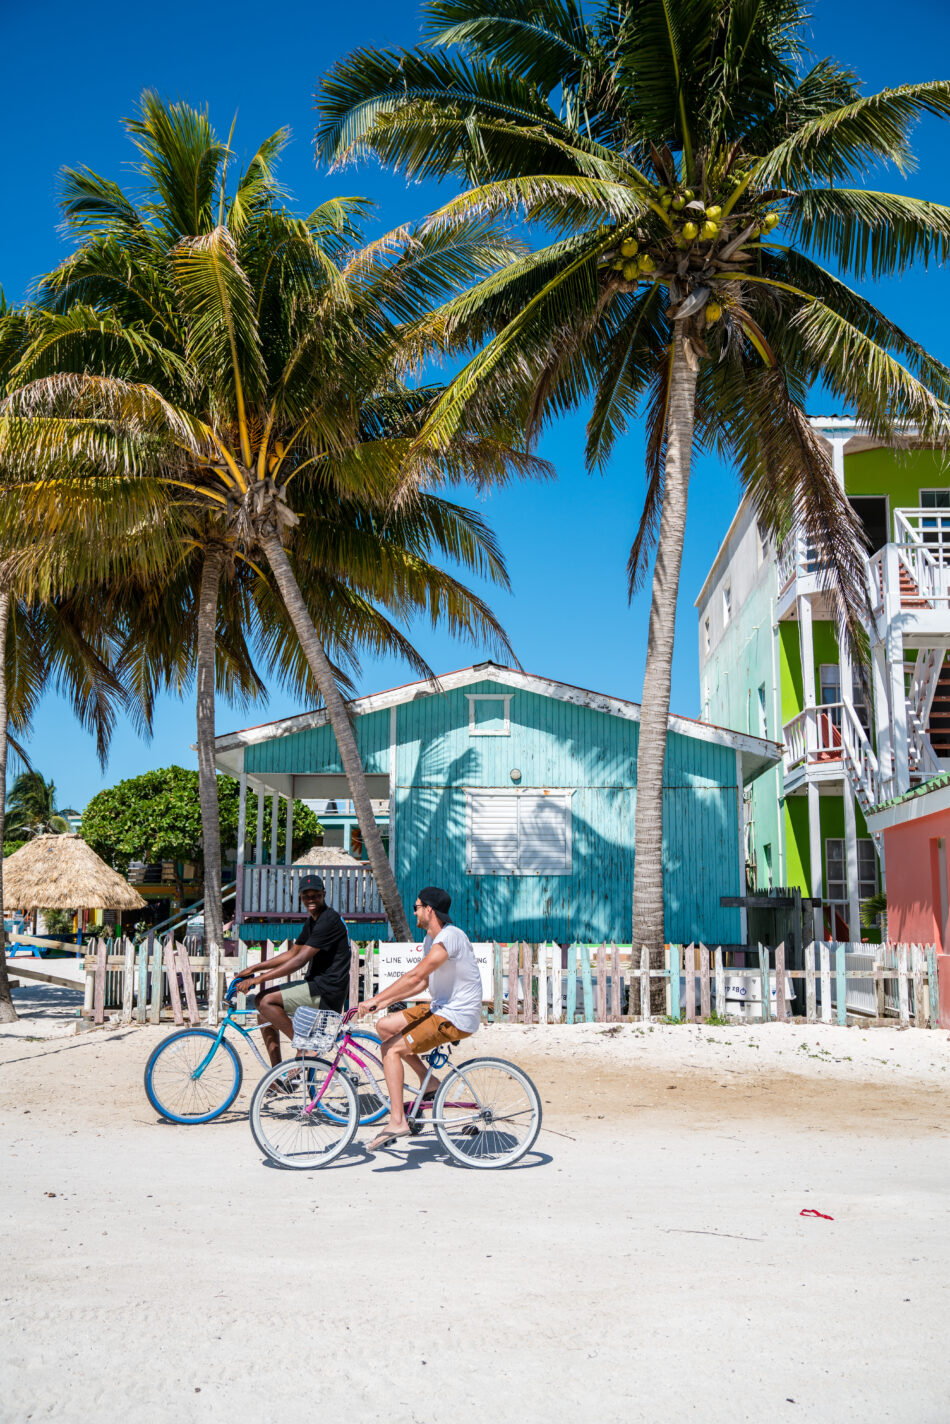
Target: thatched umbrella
[[64, 873], [327, 855]]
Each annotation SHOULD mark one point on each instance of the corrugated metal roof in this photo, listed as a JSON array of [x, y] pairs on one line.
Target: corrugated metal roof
[[934, 784]]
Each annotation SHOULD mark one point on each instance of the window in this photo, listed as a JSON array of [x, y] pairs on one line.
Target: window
[[489, 714], [519, 833], [726, 605], [706, 636], [761, 543], [763, 713], [829, 678], [767, 863], [836, 866], [867, 869], [935, 499], [836, 871], [935, 530]]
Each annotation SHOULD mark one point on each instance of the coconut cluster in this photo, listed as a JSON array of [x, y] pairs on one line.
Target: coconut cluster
[[694, 223]]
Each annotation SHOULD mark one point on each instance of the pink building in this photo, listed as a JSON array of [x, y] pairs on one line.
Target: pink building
[[916, 830]]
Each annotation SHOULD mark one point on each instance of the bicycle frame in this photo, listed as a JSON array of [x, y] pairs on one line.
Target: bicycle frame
[[436, 1059], [230, 1020]]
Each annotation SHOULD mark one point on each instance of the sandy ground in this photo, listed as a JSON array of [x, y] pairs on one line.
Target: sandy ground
[[648, 1261]]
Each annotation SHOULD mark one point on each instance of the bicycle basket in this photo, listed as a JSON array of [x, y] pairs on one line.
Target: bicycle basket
[[316, 1029]]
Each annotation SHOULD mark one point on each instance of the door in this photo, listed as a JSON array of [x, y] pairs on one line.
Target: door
[[871, 509]]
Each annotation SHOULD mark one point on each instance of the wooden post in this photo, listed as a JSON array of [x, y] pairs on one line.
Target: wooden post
[[645, 984], [811, 1011], [879, 1005], [602, 983], [720, 984], [586, 980], [920, 1004], [932, 983], [615, 999], [171, 969], [513, 982], [674, 980], [241, 1001], [902, 983], [571, 982], [766, 983], [155, 962], [841, 985], [557, 1012], [142, 1006], [354, 995], [704, 1004], [498, 1004], [369, 967], [128, 980], [89, 989], [184, 969], [543, 983], [528, 980], [825, 953], [781, 1011], [99, 993], [668, 986], [689, 975]]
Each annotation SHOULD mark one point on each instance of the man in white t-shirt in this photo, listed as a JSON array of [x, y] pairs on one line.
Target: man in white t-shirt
[[454, 1012]]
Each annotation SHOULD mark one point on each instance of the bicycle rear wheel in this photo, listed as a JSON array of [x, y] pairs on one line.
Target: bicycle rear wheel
[[175, 1091], [487, 1113], [292, 1132]]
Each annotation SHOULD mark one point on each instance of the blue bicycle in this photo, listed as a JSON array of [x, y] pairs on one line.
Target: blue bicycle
[[195, 1075]]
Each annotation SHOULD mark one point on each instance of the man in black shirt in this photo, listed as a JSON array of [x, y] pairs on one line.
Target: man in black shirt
[[324, 945]]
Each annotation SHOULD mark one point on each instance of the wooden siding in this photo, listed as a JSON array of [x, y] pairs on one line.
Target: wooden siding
[[556, 745]]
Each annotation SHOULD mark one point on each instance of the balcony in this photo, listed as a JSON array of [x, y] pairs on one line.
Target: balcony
[[826, 743], [271, 892]]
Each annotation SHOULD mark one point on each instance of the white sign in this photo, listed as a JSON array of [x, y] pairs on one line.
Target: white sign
[[395, 960]]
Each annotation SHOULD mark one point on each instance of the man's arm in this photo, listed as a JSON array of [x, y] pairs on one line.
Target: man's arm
[[408, 985], [276, 968]]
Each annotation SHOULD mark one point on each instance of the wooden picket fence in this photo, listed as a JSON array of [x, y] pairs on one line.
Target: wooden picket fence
[[545, 983]]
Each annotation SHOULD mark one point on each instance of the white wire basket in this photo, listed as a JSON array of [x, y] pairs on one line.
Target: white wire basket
[[316, 1029]]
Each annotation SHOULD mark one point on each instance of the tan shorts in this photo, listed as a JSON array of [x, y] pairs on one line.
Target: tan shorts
[[425, 1030], [292, 996]]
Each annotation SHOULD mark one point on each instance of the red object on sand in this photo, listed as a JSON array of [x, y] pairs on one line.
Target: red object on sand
[[809, 1211]]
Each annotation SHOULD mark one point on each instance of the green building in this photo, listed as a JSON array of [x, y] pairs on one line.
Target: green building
[[772, 663]]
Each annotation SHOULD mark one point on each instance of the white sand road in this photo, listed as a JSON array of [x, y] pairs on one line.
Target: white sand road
[[648, 1262]]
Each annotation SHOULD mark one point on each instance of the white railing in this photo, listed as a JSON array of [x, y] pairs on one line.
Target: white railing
[[929, 528], [273, 889], [797, 558], [832, 733]]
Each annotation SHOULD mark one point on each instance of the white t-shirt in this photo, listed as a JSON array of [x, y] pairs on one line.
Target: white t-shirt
[[456, 986]]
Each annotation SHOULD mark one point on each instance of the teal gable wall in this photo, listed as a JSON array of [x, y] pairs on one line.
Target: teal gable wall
[[560, 746]]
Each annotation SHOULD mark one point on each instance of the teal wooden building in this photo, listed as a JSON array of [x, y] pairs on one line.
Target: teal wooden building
[[517, 793]]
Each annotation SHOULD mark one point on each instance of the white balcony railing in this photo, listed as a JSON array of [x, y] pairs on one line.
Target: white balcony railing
[[273, 890], [822, 736]]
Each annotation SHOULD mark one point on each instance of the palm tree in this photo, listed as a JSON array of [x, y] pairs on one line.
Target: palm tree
[[262, 352], [31, 807], [692, 174]]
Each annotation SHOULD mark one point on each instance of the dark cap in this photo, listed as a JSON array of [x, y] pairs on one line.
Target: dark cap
[[436, 899], [312, 882]]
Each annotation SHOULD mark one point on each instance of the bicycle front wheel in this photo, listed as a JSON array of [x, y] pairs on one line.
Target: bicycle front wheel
[[303, 1114], [487, 1113], [180, 1089]]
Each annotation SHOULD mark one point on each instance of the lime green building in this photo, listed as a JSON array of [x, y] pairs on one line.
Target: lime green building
[[772, 662]]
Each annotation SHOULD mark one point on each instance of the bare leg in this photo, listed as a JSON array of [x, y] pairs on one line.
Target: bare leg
[[274, 1022], [395, 1080], [390, 1027]]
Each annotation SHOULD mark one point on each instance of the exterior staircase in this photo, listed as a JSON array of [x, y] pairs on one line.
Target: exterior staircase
[[911, 596], [938, 722]]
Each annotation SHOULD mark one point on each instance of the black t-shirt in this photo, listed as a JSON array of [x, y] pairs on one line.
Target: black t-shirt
[[328, 972]]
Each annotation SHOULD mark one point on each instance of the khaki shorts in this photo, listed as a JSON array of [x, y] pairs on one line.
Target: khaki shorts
[[425, 1030], [293, 996]]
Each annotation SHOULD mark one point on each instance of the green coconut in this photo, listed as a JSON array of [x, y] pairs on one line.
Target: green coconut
[[690, 231], [629, 247], [709, 231], [631, 271], [713, 312]]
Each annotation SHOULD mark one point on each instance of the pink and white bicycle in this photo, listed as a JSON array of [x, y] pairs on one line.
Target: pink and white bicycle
[[305, 1113]]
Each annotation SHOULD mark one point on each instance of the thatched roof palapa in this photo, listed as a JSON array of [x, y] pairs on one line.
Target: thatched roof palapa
[[327, 855], [64, 873]]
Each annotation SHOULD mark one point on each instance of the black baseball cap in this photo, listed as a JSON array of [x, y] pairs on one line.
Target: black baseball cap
[[312, 882], [436, 899]]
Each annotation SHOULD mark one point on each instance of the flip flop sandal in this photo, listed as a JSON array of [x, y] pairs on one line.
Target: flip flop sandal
[[383, 1139]]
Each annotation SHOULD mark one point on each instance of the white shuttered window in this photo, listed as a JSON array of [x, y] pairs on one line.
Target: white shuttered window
[[519, 833]]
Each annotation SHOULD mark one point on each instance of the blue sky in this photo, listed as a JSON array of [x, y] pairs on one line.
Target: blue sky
[[566, 543]]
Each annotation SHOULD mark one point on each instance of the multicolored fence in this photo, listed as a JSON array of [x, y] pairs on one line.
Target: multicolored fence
[[551, 983]]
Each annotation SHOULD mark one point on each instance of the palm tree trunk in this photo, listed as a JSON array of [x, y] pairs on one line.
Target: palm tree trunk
[[648, 920], [8, 1013], [319, 665], [211, 571]]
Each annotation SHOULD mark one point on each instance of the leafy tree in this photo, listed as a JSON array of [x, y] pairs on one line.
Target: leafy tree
[[693, 171], [252, 363], [158, 816]]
